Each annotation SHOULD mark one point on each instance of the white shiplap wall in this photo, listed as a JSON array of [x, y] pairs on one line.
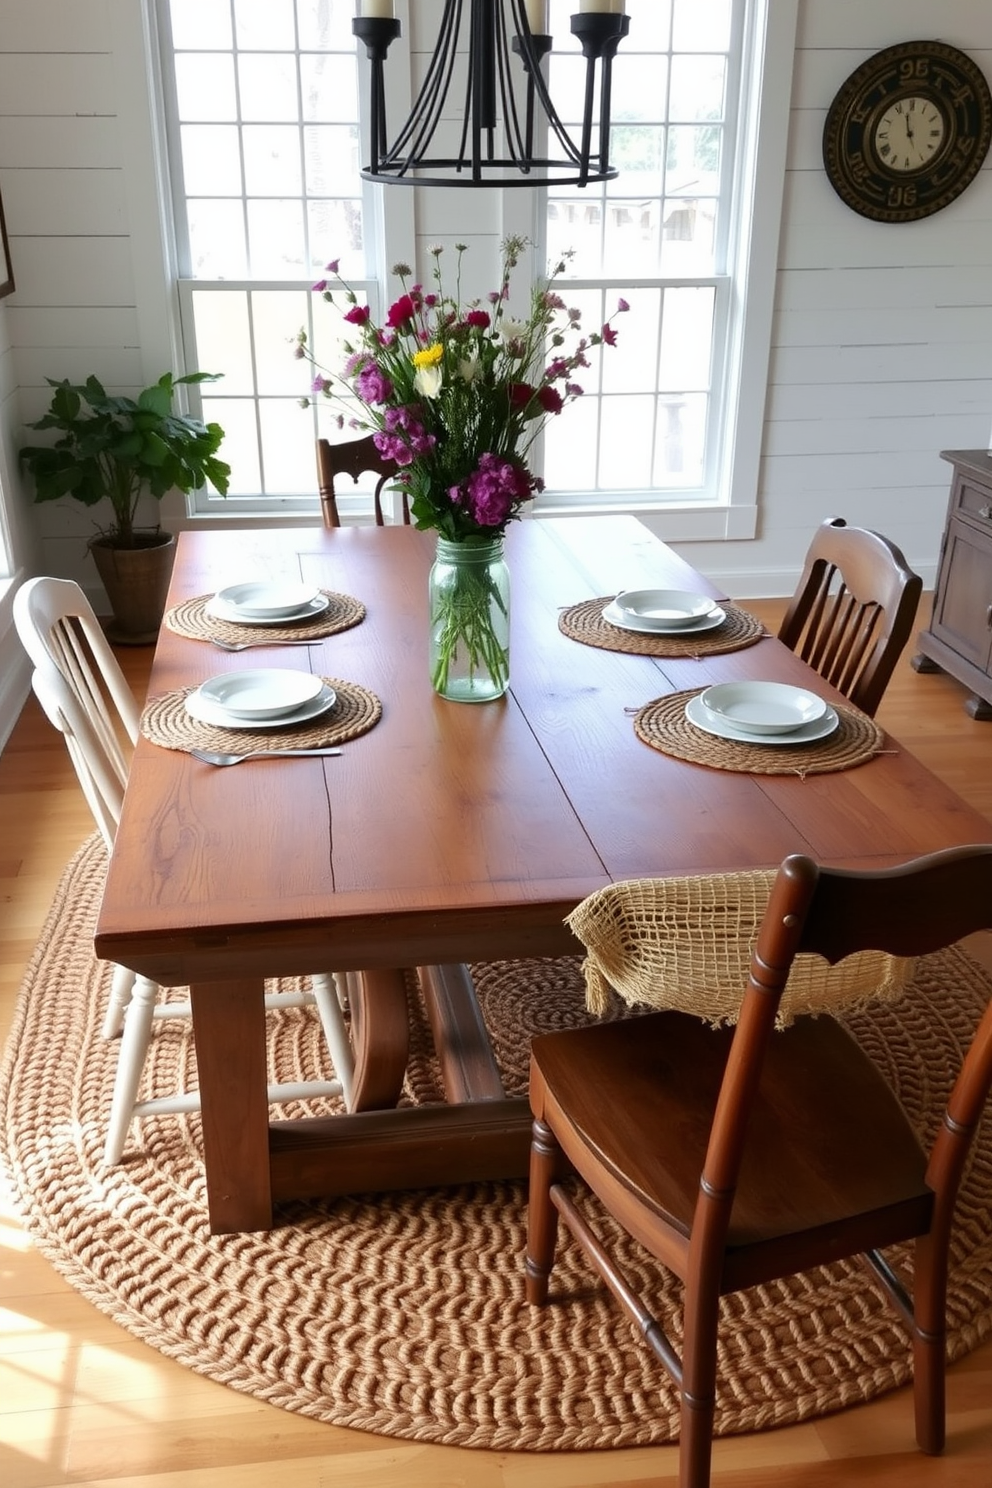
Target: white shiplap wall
[[882, 349], [882, 340]]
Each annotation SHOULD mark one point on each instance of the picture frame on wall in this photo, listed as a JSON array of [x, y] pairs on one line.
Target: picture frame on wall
[[6, 271]]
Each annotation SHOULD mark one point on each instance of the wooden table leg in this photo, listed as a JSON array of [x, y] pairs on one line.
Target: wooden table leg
[[229, 1030], [380, 1036]]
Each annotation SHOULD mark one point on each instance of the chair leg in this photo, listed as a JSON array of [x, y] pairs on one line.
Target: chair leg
[[329, 1010], [542, 1216], [698, 1386], [121, 987], [130, 1063], [930, 1343]]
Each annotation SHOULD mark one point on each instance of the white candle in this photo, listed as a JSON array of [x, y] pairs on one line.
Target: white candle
[[537, 16], [382, 9]]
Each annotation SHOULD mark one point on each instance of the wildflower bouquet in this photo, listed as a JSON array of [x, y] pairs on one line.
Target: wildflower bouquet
[[456, 396]]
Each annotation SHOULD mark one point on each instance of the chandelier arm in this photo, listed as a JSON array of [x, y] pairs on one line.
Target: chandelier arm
[[422, 123]]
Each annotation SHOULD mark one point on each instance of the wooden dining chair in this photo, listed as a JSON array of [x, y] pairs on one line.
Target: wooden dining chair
[[736, 1155], [354, 457], [853, 610], [86, 696]]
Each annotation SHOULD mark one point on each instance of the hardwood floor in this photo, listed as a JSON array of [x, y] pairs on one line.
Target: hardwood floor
[[83, 1402]]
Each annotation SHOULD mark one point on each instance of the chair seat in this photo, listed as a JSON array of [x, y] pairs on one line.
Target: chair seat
[[823, 1119]]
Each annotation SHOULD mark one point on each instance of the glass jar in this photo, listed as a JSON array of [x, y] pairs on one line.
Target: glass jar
[[469, 598]]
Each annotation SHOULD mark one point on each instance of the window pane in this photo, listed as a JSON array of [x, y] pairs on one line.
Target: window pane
[[680, 439], [625, 443], [336, 232], [264, 23], [698, 87], [686, 338], [330, 88], [325, 23], [276, 249], [288, 457], [633, 366], [223, 340], [236, 417], [202, 24], [277, 316], [269, 86], [272, 159], [205, 86], [332, 158], [211, 160], [701, 25], [217, 239]]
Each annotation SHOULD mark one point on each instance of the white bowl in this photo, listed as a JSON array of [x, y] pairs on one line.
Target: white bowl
[[664, 609], [267, 601], [265, 693], [763, 707]]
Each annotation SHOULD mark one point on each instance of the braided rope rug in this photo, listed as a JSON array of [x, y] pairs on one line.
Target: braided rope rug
[[404, 1314]]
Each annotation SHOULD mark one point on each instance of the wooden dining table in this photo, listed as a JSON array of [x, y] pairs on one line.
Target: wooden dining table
[[445, 835]]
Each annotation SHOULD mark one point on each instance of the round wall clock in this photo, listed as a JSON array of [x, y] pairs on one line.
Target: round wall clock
[[908, 131]]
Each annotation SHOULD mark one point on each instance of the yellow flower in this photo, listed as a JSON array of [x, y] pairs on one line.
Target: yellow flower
[[430, 356]]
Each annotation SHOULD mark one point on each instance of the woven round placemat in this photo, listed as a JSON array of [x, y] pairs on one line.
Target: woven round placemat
[[584, 622], [404, 1314], [190, 619], [664, 726], [165, 721]]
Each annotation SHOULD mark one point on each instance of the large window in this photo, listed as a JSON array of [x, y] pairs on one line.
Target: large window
[[264, 102]]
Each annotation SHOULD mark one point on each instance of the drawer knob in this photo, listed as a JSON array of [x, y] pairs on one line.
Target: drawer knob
[[985, 511]]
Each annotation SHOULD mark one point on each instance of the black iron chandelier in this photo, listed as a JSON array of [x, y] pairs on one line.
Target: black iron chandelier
[[498, 85]]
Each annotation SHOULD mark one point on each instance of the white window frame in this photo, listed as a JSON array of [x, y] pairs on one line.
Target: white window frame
[[744, 308]]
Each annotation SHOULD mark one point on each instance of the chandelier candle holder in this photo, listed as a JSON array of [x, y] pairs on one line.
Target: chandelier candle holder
[[499, 31]]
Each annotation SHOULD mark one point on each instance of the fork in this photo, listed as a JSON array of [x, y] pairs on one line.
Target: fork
[[249, 645], [210, 757]]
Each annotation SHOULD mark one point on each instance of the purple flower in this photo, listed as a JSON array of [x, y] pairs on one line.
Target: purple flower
[[622, 304], [332, 267], [372, 384], [493, 489]]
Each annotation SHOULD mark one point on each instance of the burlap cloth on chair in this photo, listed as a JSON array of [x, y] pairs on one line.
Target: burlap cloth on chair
[[685, 944], [190, 619]]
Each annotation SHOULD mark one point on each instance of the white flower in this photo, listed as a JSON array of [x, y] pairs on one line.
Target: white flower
[[427, 381], [468, 367], [512, 330]]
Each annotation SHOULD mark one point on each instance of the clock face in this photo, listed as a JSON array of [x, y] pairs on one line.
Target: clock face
[[909, 134], [908, 131]]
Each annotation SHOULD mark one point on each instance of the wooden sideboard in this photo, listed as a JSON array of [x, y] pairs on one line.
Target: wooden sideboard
[[959, 638]]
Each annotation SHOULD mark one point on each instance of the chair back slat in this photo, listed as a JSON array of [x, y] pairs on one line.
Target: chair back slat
[[81, 687]]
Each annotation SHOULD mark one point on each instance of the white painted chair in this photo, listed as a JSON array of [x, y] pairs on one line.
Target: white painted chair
[[85, 695]]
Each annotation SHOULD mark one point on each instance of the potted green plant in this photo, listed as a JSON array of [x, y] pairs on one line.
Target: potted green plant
[[115, 449]]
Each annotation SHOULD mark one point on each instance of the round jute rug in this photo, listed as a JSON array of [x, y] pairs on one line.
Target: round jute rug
[[405, 1314]]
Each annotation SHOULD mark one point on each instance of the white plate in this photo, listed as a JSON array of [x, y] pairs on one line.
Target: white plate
[[763, 707], [624, 621], [664, 609], [711, 724], [265, 692], [221, 611], [262, 601], [206, 712]]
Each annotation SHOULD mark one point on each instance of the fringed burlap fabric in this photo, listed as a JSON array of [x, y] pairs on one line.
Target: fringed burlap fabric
[[685, 944], [404, 1314]]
